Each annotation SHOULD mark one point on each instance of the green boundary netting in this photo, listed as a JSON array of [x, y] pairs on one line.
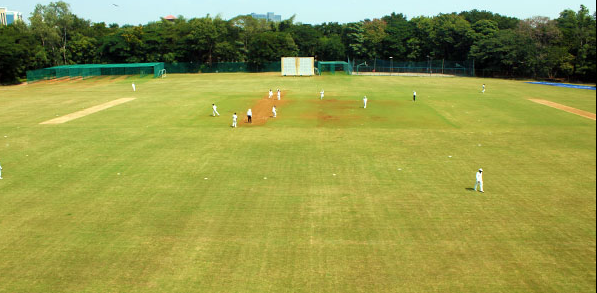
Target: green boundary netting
[[91, 70], [333, 66], [463, 68], [219, 67]]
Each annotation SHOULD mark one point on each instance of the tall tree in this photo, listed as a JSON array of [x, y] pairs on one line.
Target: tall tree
[[398, 32], [270, 46], [578, 31], [52, 23], [353, 36], [375, 33]]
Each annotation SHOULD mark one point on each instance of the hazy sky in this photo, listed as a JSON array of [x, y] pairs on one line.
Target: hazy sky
[[307, 11]]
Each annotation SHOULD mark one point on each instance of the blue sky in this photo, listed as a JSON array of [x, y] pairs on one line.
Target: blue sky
[[307, 11]]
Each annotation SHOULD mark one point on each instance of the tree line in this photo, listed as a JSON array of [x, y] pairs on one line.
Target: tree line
[[537, 47]]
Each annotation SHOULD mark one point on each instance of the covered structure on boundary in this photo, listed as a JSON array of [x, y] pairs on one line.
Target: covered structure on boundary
[[333, 66], [91, 70]]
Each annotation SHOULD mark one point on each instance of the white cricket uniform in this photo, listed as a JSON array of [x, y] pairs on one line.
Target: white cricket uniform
[[483, 89], [479, 181], [274, 111], [271, 94], [215, 112], [234, 117], [278, 94], [134, 88], [321, 97], [365, 102], [0, 172]]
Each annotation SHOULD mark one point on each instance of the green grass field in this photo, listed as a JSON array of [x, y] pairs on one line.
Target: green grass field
[[117, 201]]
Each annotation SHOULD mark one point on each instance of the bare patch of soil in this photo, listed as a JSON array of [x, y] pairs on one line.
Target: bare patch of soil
[[262, 111]]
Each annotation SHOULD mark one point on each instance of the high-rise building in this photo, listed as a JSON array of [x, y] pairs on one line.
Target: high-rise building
[[9, 17], [270, 16]]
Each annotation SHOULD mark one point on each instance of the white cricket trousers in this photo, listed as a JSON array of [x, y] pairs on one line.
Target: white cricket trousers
[[480, 184], [233, 123], [216, 112]]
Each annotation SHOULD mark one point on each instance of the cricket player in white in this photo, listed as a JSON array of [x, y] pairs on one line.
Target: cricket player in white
[[479, 181], [483, 91], [365, 102], [271, 94], [321, 95], [215, 112], [234, 117], [249, 116], [278, 94], [134, 88], [0, 172], [274, 111]]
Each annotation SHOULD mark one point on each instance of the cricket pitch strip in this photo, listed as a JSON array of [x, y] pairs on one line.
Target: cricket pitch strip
[[88, 111], [565, 108]]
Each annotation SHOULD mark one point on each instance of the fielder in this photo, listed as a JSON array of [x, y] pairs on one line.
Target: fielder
[[234, 117], [271, 94], [215, 110], [321, 95], [483, 91], [0, 172], [365, 102], [274, 111], [414, 96], [479, 181], [278, 94], [249, 116], [134, 88]]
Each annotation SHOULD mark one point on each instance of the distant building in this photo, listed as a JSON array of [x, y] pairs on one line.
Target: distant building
[[270, 16], [9, 17], [170, 18]]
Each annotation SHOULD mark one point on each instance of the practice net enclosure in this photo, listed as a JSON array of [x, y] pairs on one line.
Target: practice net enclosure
[[298, 66]]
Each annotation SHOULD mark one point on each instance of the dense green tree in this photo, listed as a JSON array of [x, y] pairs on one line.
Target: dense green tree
[[374, 33], [330, 48], [452, 36], [503, 22], [17, 45], [398, 32], [353, 37], [306, 38], [52, 24], [270, 46], [538, 47], [420, 45], [578, 30]]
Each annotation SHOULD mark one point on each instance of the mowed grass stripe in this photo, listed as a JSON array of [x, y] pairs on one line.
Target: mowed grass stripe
[[88, 111]]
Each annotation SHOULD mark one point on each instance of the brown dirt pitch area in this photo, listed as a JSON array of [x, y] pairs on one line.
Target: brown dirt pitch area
[[88, 111], [262, 111], [565, 108]]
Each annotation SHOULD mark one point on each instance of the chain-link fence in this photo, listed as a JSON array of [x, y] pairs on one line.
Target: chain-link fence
[[387, 67]]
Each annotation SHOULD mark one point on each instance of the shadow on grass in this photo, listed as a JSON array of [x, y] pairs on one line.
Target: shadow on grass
[[470, 189]]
